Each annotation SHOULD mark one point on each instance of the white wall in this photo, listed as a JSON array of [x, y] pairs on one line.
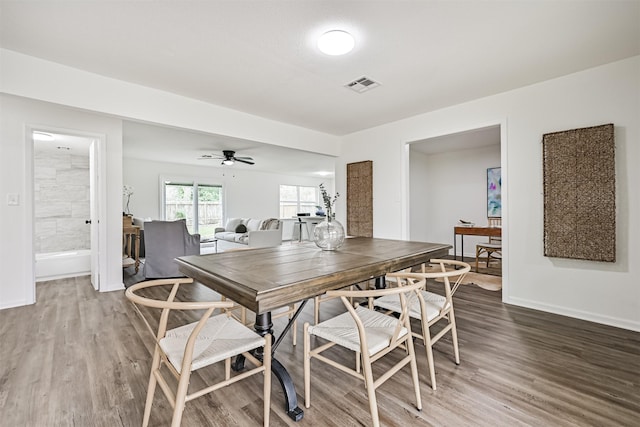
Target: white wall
[[606, 293], [16, 222], [61, 195], [446, 187], [247, 193], [602, 292], [73, 94]]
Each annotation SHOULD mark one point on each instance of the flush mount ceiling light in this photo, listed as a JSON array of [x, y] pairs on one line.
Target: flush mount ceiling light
[[41, 136], [336, 42]]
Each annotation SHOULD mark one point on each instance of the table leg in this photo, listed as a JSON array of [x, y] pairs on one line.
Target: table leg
[[264, 326], [137, 249], [455, 239]]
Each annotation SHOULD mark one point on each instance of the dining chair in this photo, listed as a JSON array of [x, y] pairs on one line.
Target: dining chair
[[193, 346], [432, 307], [326, 297], [493, 248], [369, 284], [164, 241], [371, 335]]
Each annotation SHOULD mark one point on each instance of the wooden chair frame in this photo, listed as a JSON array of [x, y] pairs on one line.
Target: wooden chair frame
[[180, 397], [447, 312], [326, 297], [493, 248], [404, 342]]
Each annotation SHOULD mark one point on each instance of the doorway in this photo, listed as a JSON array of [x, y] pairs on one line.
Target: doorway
[[66, 193], [447, 184]]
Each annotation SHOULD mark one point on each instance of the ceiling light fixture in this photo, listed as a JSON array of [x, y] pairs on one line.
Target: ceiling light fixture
[[336, 42], [227, 162], [41, 136]]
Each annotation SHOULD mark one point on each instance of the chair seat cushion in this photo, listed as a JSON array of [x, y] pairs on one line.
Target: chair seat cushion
[[221, 337], [434, 304], [342, 330]]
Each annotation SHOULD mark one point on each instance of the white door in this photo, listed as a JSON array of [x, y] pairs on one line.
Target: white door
[[94, 218]]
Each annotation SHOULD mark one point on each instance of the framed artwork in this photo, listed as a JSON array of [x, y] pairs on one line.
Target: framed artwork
[[494, 190]]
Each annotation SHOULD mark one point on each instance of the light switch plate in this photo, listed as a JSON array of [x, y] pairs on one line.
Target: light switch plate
[[13, 199]]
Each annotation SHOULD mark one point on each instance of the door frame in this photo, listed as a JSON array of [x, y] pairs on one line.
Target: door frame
[[98, 169], [405, 189]]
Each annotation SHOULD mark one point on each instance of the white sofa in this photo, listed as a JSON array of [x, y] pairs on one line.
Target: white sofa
[[249, 232]]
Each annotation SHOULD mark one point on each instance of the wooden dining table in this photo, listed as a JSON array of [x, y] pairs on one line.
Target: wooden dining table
[[265, 279]]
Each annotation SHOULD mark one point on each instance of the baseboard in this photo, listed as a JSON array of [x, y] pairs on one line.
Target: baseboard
[[577, 314], [14, 304], [113, 287]]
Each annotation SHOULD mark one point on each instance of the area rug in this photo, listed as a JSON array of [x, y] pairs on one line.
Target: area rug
[[484, 281]]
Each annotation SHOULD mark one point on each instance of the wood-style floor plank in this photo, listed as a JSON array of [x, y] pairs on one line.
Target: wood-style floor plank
[[81, 358]]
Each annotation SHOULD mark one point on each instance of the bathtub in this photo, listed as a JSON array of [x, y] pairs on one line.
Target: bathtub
[[58, 265]]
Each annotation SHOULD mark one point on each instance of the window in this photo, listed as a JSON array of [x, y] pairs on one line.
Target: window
[[296, 199], [199, 204]]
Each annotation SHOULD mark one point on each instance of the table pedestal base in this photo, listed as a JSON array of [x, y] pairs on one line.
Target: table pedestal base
[[264, 326]]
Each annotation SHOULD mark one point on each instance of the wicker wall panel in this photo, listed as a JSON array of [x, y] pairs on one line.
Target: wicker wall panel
[[360, 199], [579, 194]]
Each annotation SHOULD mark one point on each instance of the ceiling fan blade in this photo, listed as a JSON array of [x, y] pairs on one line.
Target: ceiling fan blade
[[243, 160], [210, 157]]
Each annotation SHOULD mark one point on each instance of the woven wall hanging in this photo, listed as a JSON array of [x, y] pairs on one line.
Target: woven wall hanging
[[579, 194], [360, 199]]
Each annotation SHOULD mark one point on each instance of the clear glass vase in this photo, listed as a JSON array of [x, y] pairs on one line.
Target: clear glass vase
[[329, 234]]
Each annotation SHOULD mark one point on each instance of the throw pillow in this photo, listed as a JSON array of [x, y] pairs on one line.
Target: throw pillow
[[241, 228], [254, 224], [232, 224], [270, 224]]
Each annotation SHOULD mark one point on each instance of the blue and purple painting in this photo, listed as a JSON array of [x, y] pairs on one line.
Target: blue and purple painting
[[494, 190]]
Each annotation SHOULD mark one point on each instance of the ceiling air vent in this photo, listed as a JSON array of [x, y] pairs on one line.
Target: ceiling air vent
[[362, 84]]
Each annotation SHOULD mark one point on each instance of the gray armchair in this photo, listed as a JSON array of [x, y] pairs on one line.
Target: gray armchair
[[163, 242]]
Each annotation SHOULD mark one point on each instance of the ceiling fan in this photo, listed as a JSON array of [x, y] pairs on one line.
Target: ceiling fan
[[228, 158]]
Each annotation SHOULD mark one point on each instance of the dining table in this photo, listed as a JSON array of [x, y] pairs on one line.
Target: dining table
[[265, 279]]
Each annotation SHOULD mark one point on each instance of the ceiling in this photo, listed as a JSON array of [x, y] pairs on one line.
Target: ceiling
[[259, 57], [163, 144]]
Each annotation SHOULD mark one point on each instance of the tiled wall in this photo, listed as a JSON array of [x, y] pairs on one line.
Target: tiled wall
[[61, 201]]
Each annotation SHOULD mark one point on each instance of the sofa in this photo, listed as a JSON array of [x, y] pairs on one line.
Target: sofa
[[249, 232]]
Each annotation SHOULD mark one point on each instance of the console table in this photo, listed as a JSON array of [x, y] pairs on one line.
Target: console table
[[462, 231], [130, 244]]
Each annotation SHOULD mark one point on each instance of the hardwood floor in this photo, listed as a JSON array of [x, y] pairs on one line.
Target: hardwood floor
[[81, 358]]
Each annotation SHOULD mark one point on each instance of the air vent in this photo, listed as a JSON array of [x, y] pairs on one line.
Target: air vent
[[362, 84]]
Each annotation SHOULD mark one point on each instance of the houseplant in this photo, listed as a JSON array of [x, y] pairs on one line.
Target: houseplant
[[329, 234], [127, 191]]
